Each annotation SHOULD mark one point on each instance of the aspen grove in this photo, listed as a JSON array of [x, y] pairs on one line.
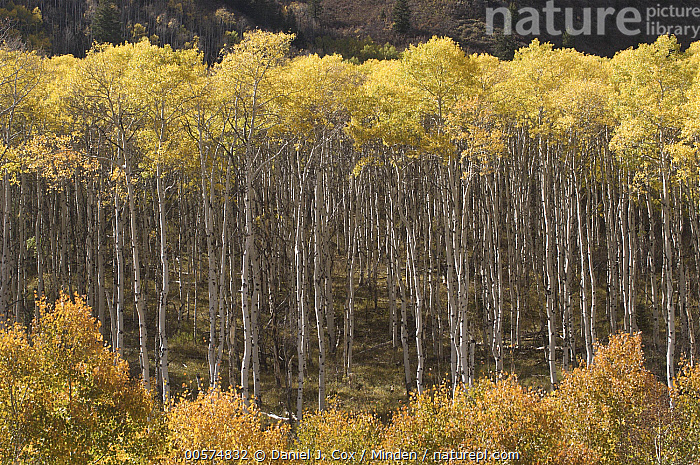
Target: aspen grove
[[549, 202]]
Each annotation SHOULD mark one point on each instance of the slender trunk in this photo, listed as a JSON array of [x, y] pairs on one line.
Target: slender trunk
[[328, 276], [255, 326], [351, 248], [549, 270], [651, 260], [139, 298], [245, 277], [391, 290], [38, 237], [100, 264], [418, 311], [402, 292], [318, 293], [583, 253], [668, 280], [165, 288], [118, 317], [207, 201], [449, 203], [300, 267], [4, 264], [20, 293], [590, 227]]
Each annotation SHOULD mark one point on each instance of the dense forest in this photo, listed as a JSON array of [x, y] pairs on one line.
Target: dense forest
[[464, 212]]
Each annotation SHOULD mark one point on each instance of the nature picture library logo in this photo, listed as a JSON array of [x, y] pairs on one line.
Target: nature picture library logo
[[682, 21]]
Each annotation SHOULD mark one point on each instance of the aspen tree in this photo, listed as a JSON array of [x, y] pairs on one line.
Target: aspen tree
[[204, 126], [318, 294], [437, 74], [247, 75], [167, 75], [476, 132], [317, 107], [528, 96], [584, 282], [350, 223], [402, 291], [19, 76], [102, 90], [689, 161], [300, 259], [651, 84], [583, 117]]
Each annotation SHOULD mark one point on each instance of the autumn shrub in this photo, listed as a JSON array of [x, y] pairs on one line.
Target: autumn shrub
[[220, 421], [614, 407], [504, 416], [495, 416], [424, 424], [339, 430], [65, 398], [679, 438]]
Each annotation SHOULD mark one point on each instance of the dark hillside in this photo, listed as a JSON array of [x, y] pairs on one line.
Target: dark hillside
[[464, 21], [68, 26]]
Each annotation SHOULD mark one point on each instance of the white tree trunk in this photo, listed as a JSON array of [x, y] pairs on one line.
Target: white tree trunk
[[319, 207], [668, 277], [549, 271], [165, 288], [583, 255], [118, 317], [139, 298], [300, 266], [245, 291], [207, 200]]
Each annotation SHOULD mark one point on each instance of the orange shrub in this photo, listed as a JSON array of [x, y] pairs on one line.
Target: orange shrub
[[219, 421], [504, 416], [681, 438], [339, 430], [425, 424], [614, 407], [66, 398], [494, 416]]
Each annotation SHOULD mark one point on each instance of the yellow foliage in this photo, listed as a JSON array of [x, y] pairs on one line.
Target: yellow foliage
[[610, 412], [66, 398], [52, 111], [362, 162], [162, 80], [406, 103], [527, 96], [220, 421], [336, 429], [612, 406], [478, 132], [439, 73], [498, 416], [679, 438], [651, 86], [55, 160], [384, 110], [316, 96]]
